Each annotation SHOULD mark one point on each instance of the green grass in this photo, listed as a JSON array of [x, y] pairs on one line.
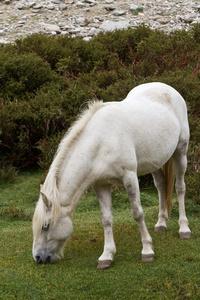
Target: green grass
[[174, 274]]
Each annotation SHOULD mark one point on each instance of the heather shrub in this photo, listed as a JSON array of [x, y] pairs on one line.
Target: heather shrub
[[23, 74], [8, 173]]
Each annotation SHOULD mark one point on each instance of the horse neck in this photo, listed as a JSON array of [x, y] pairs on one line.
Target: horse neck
[[74, 178]]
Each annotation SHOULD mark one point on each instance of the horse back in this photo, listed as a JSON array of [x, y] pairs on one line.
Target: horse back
[[142, 131]]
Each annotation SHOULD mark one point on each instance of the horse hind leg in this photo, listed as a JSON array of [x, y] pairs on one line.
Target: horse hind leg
[[159, 181], [104, 196], [180, 163], [131, 185]]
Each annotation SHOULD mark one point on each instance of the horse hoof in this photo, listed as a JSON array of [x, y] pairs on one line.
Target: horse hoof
[[185, 235], [160, 228], [104, 264], [147, 257]]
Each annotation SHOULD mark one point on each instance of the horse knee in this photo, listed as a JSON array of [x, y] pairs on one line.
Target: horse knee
[[107, 221], [180, 188], [138, 214]]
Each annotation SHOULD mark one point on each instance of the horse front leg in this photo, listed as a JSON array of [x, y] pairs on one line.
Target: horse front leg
[[132, 187], [104, 196]]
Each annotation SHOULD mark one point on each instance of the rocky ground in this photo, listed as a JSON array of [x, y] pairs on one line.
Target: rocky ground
[[88, 17]]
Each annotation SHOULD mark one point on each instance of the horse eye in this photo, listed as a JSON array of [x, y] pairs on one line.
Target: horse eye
[[45, 227]]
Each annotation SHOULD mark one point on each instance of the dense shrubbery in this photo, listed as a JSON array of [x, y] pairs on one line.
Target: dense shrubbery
[[45, 81]]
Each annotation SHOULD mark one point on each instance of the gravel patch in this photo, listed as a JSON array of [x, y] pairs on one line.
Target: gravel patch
[[87, 18]]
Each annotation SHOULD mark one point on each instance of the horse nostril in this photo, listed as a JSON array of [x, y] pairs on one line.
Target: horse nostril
[[38, 259], [44, 259], [48, 260]]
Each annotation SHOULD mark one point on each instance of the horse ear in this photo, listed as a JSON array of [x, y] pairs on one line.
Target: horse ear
[[46, 201]]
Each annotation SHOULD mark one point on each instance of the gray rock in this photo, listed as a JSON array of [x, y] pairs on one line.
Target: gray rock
[[87, 38], [4, 41], [38, 6], [80, 4], [197, 7], [58, 1], [82, 21], [2, 32], [119, 12], [50, 6], [110, 7], [52, 28], [74, 30], [21, 6], [93, 31], [111, 25], [188, 20], [21, 22], [90, 1], [31, 4], [133, 7], [163, 21]]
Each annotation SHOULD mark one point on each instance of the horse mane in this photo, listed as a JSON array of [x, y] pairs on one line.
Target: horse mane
[[50, 189]]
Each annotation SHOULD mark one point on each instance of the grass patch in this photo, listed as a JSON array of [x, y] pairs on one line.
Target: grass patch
[[174, 274]]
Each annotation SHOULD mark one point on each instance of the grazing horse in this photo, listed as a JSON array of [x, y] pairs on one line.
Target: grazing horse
[[113, 142]]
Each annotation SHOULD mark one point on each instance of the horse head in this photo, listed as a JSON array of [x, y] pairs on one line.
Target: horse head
[[52, 226]]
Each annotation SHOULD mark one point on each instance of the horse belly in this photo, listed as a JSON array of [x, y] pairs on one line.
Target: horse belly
[[139, 137]]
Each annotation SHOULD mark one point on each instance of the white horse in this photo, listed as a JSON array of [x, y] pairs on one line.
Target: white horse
[[115, 142]]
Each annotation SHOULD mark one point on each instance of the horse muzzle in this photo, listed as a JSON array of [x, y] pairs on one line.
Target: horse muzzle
[[45, 258]]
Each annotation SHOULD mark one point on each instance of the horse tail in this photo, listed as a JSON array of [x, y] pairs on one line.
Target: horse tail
[[169, 177]]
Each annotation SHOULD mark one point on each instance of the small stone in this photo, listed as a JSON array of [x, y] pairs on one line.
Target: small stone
[[154, 18], [57, 1], [80, 4], [91, 2], [141, 15], [50, 7], [119, 13], [87, 38], [93, 31], [82, 21], [31, 4], [64, 32], [163, 21], [66, 27], [109, 7], [74, 30], [38, 6], [188, 20], [197, 7], [2, 32], [39, 12], [133, 7], [111, 25], [51, 27], [21, 7], [4, 42]]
